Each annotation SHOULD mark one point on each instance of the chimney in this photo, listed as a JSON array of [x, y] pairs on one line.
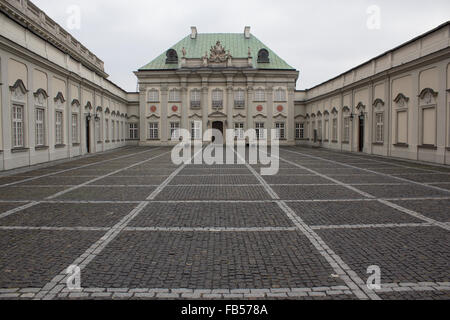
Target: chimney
[[193, 32], [247, 32]]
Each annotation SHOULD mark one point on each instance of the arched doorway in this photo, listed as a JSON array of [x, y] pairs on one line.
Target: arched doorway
[[217, 125]]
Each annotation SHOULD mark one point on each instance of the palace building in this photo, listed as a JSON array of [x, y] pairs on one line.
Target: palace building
[[57, 102]]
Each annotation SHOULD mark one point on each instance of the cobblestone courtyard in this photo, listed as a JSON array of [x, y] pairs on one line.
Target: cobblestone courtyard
[[140, 227]]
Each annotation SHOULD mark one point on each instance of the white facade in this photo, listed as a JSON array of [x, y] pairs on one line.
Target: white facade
[[57, 103]]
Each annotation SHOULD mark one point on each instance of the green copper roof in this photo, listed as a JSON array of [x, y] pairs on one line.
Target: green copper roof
[[235, 42]]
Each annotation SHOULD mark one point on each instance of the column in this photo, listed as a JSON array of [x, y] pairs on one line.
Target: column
[[205, 109], [290, 125], [142, 116], [249, 107], [230, 105], [184, 107], [269, 99], [164, 112], [368, 126]]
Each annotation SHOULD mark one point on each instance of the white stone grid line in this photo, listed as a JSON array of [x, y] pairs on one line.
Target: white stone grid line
[[351, 279], [104, 176], [76, 168], [222, 229], [368, 170], [385, 202], [43, 228], [209, 201], [392, 163], [58, 283], [372, 226], [184, 293], [18, 209], [32, 203], [209, 229]]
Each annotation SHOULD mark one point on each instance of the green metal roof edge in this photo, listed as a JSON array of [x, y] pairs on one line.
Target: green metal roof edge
[[255, 44]]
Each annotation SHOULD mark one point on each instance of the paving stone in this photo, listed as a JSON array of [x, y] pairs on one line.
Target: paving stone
[[224, 265], [247, 260], [403, 254], [32, 258], [69, 215], [227, 215]]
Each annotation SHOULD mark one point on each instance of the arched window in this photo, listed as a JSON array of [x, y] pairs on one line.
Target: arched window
[[171, 56], [195, 98], [217, 98], [174, 95], [239, 98], [40, 104], [153, 96], [260, 95], [263, 56], [280, 95]]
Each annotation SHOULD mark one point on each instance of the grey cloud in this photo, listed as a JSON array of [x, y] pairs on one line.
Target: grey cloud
[[320, 38]]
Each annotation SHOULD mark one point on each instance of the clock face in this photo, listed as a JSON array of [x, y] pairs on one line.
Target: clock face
[[259, 108], [153, 109]]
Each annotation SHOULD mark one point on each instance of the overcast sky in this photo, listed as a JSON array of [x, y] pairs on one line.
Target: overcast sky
[[321, 39]]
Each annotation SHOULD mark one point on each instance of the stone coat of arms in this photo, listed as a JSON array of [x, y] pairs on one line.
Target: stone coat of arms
[[218, 54]]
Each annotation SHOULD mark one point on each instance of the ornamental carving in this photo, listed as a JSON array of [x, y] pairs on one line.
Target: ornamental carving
[[218, 54]]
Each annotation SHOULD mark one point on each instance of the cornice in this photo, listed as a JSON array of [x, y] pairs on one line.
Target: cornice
[[36, 21], [26, 54]]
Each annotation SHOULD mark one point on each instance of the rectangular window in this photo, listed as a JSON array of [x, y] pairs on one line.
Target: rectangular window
[[429, 126], [196, 130], [174, 130], [217, 99], [335, 129], [327, 130], [195, 99], [97, 131], [113, 130], [281, 130], [239, 130], [153, 130], [17, 112], [174, 95], [346, 129], [299, 131], [260, 95], [40, 129], [134, 131], [118, 131], [280, 95], [319, 129], [153, 96], [107, 129], [239, 99], [75, 138], [59, 139], [402, 127], [260, 131], [379, 130]]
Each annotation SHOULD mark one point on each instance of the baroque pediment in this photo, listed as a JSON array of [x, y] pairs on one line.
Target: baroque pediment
[[401, 100], [427, 95]]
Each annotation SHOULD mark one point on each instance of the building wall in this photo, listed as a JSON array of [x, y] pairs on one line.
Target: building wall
[[408, 86], [228, 82], [36, 75]]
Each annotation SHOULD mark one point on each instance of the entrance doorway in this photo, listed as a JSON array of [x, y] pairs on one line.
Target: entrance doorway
[[361, 133], [217, 125], [88, 136]]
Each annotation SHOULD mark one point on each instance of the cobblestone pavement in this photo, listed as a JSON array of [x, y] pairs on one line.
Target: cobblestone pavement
[[140, 227]]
